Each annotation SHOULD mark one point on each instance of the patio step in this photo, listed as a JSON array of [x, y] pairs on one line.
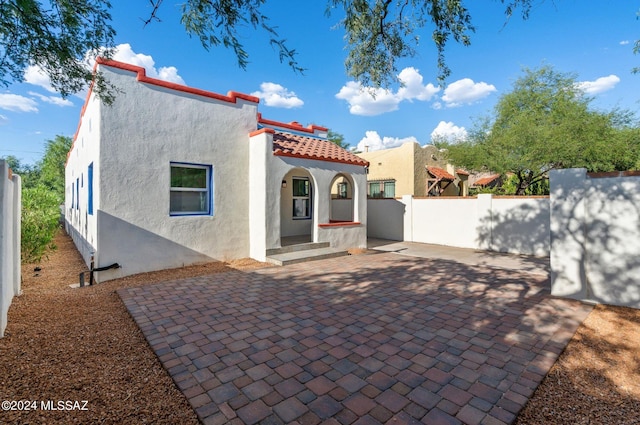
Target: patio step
[[297, 247], [301, 256]]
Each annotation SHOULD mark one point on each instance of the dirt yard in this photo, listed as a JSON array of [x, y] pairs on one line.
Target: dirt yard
[[65, 344]]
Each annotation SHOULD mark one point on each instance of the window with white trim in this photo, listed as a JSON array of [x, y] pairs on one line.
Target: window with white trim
[[191, 189], [301, 198]]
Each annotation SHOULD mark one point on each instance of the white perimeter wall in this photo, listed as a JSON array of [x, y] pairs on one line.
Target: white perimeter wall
[[10, 216], [518, 225], [595, 237]]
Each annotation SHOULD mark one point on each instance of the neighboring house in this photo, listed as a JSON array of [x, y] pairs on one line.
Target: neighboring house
[[170, 175], [411, 169], [487, 181]]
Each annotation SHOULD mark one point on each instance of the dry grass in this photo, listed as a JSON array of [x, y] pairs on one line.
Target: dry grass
[[81, 344]]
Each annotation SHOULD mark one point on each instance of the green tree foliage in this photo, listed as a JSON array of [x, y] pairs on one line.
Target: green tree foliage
[[42, 194], [547, 122], [29, 174], [338, 139], [59, 36], [52, 165]]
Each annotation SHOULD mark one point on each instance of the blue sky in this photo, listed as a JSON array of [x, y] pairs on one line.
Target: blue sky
[[592, 39]]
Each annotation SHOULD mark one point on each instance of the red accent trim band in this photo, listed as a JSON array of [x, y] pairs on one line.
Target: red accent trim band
[[262, 130], [231, 96], [613, 174], [340, 224], [291, 126]]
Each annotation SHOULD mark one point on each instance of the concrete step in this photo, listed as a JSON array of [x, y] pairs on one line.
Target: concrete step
[[294, 257], [297, 247]]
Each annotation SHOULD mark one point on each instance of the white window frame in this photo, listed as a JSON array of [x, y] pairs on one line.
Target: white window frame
[[208, 190]]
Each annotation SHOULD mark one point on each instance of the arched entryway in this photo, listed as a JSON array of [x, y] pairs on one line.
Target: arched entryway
[[296, 207], [342, 199]]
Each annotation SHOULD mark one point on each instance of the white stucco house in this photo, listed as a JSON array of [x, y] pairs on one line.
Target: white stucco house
[[170, 175]]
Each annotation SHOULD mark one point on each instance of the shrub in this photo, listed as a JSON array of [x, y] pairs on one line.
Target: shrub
[[40, 222]]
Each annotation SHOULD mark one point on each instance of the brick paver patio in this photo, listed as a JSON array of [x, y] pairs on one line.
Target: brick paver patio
[[364, 339]]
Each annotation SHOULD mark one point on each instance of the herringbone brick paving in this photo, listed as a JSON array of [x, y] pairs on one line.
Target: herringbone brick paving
[[365, 339]]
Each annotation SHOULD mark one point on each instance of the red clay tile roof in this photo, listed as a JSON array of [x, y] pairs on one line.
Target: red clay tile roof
[[486, 180], [461, 172], [287, 144], [439, 173]]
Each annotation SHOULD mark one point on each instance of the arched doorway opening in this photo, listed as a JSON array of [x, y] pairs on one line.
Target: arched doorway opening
[[342, 199], [296, 207]]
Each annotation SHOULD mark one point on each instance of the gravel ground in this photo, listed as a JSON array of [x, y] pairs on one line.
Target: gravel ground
[[66, 344]]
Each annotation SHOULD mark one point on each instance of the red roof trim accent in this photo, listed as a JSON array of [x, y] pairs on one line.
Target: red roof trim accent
[[340, 224], [262, 130], [613, 174], [231, 97], [292, 125]]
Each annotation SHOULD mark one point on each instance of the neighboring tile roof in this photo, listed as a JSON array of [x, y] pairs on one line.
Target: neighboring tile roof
[[287, 144], [439, 173], [461, 172], [486, 180]]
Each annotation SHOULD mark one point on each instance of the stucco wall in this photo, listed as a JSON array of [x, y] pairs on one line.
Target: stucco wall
[[595, 237], [396, 163], [80, 225], [10, 216], [146, 129], [518, 225], [385, 219]]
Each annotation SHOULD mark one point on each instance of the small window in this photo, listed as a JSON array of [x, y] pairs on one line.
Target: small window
[[342, 190], [301, 198], [389, 190], [77, 193], [190, 192], [382, 189], [90, 189], [374, 190]]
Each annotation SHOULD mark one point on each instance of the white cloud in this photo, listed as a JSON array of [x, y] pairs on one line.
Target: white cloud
[[124, 53], [449, 132], [466, 91], [373, 142], [624, 42], [370, 101], [17, 103], [3, 120], [54, 100], [277, 96], [367, 101], [34, 75], [412, 86], [600, 85]]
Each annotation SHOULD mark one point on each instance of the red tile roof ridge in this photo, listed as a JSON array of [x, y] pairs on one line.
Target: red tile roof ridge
[[486, 180], [440, 173], [308, 147]]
